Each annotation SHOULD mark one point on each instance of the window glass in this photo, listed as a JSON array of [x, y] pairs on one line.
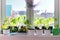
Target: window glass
[[15, 7], [44, 13]]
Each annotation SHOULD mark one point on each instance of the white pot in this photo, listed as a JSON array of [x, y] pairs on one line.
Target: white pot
[[6, 32], [39, 32], [30, 32], [47, 32]]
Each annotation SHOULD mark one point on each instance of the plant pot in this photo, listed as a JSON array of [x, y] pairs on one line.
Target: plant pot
[[43, 30], [6, 32], [30, 32], [39, 32], [47, 33], [56, 31]]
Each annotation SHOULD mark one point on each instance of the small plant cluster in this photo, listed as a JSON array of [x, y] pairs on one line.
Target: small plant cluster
[[14, 23]]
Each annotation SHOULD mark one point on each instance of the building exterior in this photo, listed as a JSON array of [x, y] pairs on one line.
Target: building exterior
[[8, 10]]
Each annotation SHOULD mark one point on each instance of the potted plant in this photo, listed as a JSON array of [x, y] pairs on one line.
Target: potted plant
[[37, 22], [13, 26], [5, 29], [22, 22], [56, 30], [23, 29]]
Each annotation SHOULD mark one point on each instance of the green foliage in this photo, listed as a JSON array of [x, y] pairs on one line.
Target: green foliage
[[37, 21], [16, 20], [45, 21], [13, 22], [23, 29], [26, 21], [56, 26], [5, 21], [4, 27], [55, 19]]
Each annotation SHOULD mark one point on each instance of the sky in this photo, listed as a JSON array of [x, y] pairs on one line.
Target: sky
[[18, 5]]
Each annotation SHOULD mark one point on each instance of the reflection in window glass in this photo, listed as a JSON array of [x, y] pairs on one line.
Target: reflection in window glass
[[43, 12], [17, 7], [45, 6]]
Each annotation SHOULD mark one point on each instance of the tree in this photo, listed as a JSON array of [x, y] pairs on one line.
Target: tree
[[30, 10]]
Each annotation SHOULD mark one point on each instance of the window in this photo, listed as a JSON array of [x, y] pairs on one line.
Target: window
[[46, 9], [15, 7], [44, 13]]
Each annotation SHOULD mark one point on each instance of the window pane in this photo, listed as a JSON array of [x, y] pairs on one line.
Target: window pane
[[44, 13], [15, 7]]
